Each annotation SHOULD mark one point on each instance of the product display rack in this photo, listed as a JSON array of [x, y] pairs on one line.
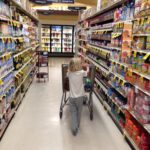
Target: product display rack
[[58, 40], [18, 44], [118, 45]]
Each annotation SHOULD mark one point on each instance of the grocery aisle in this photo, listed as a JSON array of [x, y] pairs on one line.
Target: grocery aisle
[[37, 126]]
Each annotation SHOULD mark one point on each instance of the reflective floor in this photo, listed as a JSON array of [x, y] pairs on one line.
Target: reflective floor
[[37, 126]]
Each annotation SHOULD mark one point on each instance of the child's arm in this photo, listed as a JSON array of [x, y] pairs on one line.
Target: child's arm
[[86, 72]]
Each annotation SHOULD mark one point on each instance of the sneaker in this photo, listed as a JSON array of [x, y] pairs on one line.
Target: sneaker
[[75, 132]]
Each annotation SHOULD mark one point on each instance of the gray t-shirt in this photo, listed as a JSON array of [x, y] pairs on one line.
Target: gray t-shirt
[[76, 83]]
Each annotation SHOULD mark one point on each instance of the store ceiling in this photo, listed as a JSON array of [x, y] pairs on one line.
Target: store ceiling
[[64, 7]]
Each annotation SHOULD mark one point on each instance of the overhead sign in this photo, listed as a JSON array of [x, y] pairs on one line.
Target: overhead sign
[[43, 2], [67, 1], [76, 8]]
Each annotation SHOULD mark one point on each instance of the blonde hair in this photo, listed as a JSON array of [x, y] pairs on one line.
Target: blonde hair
[[75, 64]]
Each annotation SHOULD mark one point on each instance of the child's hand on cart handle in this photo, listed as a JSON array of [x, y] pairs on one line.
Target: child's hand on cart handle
[[85, 65]]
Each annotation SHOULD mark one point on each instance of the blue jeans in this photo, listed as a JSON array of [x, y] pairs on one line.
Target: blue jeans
[[76, 109]]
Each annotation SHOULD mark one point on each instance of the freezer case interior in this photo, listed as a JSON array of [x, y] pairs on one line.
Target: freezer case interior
[[56, 39], [67, 39]]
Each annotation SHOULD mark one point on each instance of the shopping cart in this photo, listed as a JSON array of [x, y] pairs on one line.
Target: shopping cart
[[88, 89]]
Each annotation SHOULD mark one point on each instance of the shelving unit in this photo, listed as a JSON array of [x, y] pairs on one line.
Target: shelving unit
[[122, 64], [17, 58]]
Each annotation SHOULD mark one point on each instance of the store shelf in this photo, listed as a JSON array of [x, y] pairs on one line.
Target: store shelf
[[85, 49], [83, 40], [12, 113], [139, 88], [116, 48], [141, 34], [118, 75], [45, 37], [101, 85], [141, 51], [106, 29], [108, 8], [18, 38], [7, 107], [133, 70], [21, 52], [116, 121], [118, 90], [97, 65], [120, 63], [121, 108], [23, 10], [101, 63], [5, 54], [37, 45], [24, 80], [130, 140], [108, 108], [16, 108], [100, 48], [101, 39], [6, 37], [123, 21], [4, 18], [142, 74], [16, 72], [145, 126], [105, 105], [95, 22], [6, 73]]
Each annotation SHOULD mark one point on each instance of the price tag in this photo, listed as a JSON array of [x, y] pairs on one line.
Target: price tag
[[114, 77], [3, 40], [141, 78], [14, 23], [20, 39], [123, 83], [135, 54], [21, 72], [146, 56], [9, 40], [1, 82]]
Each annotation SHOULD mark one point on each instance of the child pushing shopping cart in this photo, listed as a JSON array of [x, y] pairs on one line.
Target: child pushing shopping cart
[[75, 80]]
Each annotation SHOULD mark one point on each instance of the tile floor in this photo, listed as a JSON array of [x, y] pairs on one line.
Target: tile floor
[[37, 126]]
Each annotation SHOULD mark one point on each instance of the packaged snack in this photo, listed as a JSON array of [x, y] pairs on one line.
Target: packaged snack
[[145, 68]]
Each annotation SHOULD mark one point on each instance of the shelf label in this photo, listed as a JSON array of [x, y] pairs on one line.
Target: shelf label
[[146, 56]]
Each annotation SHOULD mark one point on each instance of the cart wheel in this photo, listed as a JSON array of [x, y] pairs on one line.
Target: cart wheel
[[60, 114], [84, 102], [91, 116]]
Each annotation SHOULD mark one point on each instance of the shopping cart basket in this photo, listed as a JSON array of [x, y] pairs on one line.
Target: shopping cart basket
[[88, 89]]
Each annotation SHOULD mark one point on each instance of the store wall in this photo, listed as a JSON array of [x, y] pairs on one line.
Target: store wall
[[59, 19]]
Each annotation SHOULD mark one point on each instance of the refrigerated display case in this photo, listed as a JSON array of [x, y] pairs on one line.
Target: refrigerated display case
[[67, 39], [45, 38], [58, 40]]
